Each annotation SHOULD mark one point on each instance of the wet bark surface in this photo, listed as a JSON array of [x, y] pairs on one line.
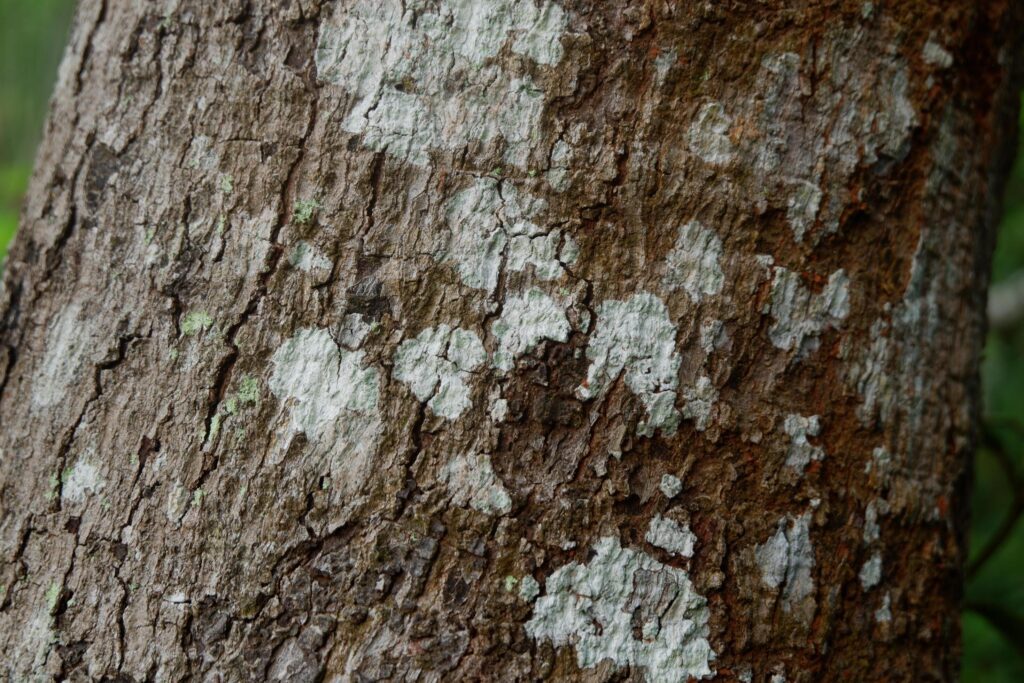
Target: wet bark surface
[[443, 340]]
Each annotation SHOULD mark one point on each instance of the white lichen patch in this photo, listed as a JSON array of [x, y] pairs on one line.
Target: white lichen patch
[[694, 265], [595, 608], [499, 410], [868, 374], [871, 572], [526, 320], [472, 483], [540, 252], [636, 337], [786, 560], [478, 235], [67, 348], [82, 479], [883, 614], [669, 535], [558, 173], [872, 531], [799, 316], [802, 207], [397, 61], [202, 155], [494, 225], [354, 330], [322, 382], [880, 462], [712, 335], [698, 402], [709, 134], [36, 639], [801, 451], [663, 63], [870, 117], [933, 53], [670, 485], [306, 257], [437, 365], [529, 588]]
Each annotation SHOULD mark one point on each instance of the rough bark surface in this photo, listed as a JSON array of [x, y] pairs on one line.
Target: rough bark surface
[[500, 340]]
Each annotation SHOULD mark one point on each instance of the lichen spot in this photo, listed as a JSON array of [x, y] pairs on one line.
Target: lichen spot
[[699, 401], [883, 614], [670, 535], [801, 451], [529, 589], [693, 265], [800, 316], [67, 345], [872, 531], [52, 596], [304, 211], [82, 479], [802, 207], [525, 321], [395, 62], [321, 381], [709, 134], [307, 258], [670, 485], [472, 483], [492, 228], [625, 606], [499, 410], [871, 571], [437, 364], [195, 322], [933, 53], [636, 337], [786, 560]]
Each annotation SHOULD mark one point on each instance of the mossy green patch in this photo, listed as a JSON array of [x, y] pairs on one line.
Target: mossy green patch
[[52, 596], [305, 209], [196, 322], [249, 390]]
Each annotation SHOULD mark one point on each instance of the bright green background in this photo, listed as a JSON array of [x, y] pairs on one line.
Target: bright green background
[[32, 36]]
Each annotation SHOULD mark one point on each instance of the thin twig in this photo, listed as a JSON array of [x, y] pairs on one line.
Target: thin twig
[[996, 541], [1009, 625]]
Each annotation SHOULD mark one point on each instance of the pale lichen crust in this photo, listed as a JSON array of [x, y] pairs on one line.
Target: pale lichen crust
[[596, 607]]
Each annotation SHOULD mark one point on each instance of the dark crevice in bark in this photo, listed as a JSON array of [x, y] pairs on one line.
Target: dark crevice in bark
[[68, 441], [16, 559], [89, 41], [376, 177], [222, 379], [407, 494]]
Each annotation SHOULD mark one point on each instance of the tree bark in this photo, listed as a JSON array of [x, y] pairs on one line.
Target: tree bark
[[494, 340]]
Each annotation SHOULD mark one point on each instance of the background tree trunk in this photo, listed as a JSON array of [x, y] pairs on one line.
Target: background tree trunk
[[452, 339]]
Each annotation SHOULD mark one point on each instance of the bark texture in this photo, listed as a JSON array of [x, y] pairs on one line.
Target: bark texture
[[500, 340]]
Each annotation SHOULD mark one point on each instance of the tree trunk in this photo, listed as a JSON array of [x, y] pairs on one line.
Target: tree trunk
[[501, 340]]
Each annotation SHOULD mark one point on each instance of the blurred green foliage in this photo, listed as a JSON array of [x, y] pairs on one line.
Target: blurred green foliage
[[32, 37], [994, 647]]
